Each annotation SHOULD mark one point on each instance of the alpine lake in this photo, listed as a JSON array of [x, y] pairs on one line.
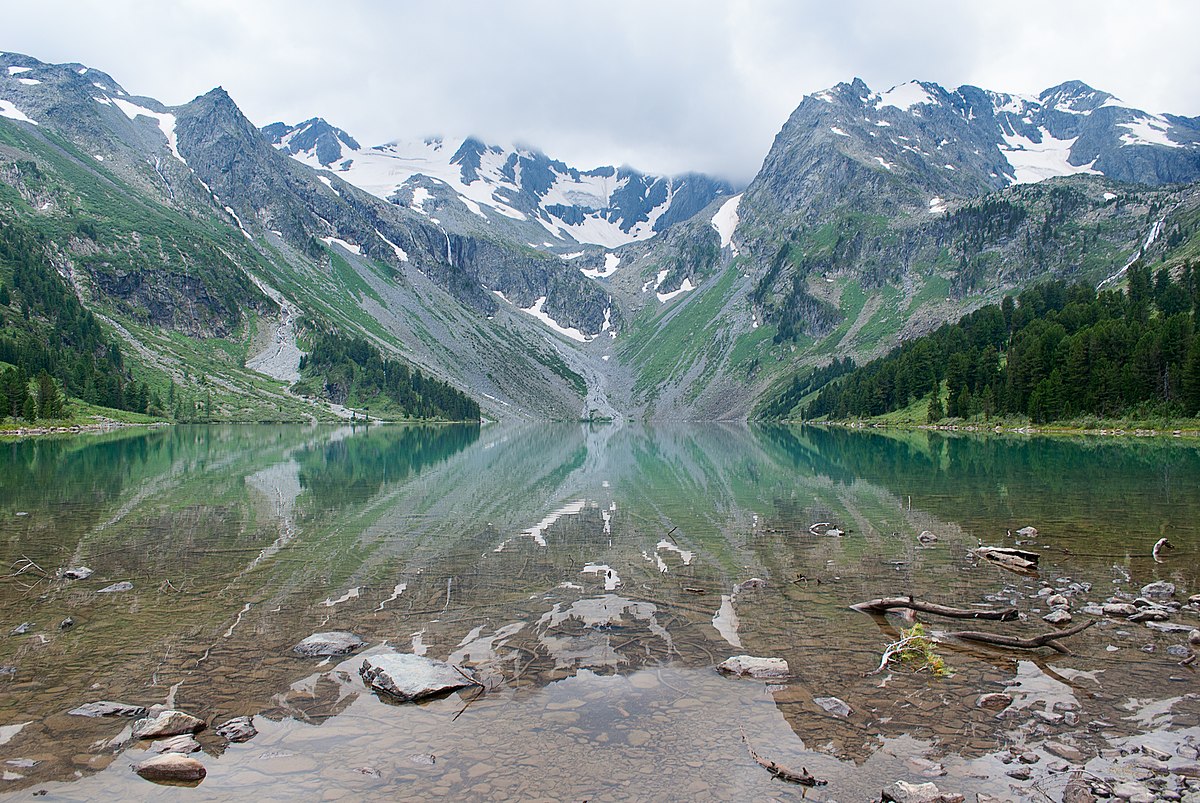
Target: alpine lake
[[592, 578]]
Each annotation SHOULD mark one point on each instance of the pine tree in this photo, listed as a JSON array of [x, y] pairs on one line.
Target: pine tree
[[935, 412]]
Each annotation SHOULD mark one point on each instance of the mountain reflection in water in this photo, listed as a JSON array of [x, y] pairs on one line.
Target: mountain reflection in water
[[590, 576]]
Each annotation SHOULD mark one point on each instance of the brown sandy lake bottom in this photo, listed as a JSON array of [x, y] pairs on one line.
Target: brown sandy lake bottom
[[589, 577]]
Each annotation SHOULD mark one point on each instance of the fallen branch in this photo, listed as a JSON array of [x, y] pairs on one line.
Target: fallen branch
[[1044, 640], [892, 649], [885, 604], [803, 778]]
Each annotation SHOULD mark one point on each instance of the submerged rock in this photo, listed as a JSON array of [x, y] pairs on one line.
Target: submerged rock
[[1027, 532], [66, 624], [166, 723], [1059, 616], [754, 667], [171, 767], [238, 729], [996, 701], [1125, 609], [905, 792], [833, 705], [1194, 637], [409, 678], [1058, 601], [77, 573], [1159, 590], [107, 708], [115, 588], [183, 743], [332, 643], [22, 628]]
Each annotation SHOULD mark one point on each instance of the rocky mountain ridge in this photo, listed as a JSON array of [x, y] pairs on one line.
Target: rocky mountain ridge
[[545, 290]]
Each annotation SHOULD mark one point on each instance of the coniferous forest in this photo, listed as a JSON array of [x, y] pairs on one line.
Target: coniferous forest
[[1054, 352], [50, 346], [351, 371]]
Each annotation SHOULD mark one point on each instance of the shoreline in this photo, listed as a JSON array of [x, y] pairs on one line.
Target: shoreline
[[1024, 429]]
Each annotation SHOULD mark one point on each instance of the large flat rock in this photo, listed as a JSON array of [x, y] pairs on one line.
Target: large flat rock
[[332, 643], [408, 678], [754, 666]]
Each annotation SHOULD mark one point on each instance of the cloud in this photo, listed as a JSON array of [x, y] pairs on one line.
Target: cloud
[[667, 86]]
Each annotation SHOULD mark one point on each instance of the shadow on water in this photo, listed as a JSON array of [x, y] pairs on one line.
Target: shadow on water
[[592, 577]]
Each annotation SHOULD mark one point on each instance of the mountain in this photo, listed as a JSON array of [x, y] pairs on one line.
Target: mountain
[[560, 206], [219, 254], [877, 216]]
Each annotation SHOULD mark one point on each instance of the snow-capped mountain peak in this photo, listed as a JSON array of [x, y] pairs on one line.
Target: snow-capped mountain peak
[[511, 185]]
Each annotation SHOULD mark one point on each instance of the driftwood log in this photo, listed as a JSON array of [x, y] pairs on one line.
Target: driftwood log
[[885, 604], [1044, 640]]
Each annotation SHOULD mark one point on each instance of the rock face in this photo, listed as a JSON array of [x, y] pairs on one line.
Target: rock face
[[332, 643], [171, 767], [755, 667], [409, 678], [166, 723], [238, 729], [106, 708]]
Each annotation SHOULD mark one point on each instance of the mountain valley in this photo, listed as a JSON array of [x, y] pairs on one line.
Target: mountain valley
[[217, 253]]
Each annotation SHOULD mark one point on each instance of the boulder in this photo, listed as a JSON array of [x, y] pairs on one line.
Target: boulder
[[1155, 614], [333, 643], [1069, 752], [409, 678], [115, 588], [1058, 601], [755, 667], [238, 729], [1158, 591], [1194, 637], [1059, 616], [166, 723], [1125, 609], [171, 768], [107, 708]]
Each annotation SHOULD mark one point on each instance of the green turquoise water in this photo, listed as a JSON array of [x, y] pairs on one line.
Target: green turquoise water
[[587, 575]]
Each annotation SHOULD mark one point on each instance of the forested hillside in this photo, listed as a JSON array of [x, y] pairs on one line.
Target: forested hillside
[[49, 344], [1055, 352], [352, 372]]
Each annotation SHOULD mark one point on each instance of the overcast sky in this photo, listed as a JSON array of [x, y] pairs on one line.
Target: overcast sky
[[664, 86]]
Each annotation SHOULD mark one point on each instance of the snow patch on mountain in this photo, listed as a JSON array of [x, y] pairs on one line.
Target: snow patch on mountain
[[1148, 131], [165, 120], [905, 96], [685, 287], [15, 70], [7, 109], [725, 221], [1036, 161]]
